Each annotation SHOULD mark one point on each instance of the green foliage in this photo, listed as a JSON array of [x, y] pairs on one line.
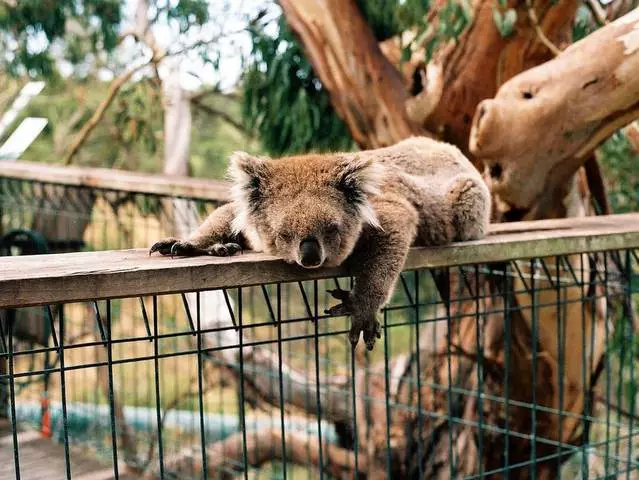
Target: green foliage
[[583, 24], [619, 163], [284, 102], [388, 18], [28, 29], [505, 21], [130, 136], [135, 115], [187, 13], [453, 20]]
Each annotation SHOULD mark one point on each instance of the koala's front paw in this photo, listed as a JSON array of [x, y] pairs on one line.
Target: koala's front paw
[[224, 249], [163, 246], [363, 319], [174, 247]]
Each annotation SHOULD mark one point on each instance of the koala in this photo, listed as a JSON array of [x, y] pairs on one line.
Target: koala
[[362, 210]]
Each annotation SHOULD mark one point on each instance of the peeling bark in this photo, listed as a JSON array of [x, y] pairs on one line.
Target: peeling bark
[[483, 60], [366, 91], [371, 94]]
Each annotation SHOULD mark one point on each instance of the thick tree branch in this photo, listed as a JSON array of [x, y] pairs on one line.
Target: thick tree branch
[[483, 59], [557, 114], [381, 105], [224, 459], [299, 390], [367, 92], [538, 30]]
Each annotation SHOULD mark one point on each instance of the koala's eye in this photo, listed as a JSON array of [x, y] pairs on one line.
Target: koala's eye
[[285, 236], [332, 228]]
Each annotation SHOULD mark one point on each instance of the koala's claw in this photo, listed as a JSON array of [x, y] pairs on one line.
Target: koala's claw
[[340, 294], [371, 328], [344, 308], [339, 310], [163, 246], [178, 248], [224, 249], [362, 321]]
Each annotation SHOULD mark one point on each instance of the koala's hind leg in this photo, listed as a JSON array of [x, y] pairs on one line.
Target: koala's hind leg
[[213, 237], [469, 199]]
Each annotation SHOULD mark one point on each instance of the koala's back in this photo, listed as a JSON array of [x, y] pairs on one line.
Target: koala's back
[[423, 157], [449, 194]]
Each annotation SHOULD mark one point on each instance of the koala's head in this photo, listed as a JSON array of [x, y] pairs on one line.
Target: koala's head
[[308, 210]]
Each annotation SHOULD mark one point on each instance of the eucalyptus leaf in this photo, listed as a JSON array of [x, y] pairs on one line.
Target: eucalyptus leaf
[[505, 22], [509, 21], [498, 19]]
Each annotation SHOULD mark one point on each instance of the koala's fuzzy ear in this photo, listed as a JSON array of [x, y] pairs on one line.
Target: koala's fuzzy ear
[[359, 178], [249, 175], [244, 168]]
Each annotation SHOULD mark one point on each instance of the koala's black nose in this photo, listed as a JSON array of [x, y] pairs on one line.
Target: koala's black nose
[[310, 252]]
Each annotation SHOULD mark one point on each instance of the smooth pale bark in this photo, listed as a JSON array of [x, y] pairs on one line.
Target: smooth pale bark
[[544, 123]]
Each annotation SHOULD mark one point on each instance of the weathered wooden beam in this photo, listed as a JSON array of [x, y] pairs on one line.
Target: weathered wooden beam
[[39, 280], [121, 180]]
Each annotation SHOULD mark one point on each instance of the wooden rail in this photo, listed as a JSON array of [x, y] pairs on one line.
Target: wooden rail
[[40, 280], [121, 180]]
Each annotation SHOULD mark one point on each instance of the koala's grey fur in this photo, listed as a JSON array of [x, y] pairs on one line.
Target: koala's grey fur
[[363, 210]]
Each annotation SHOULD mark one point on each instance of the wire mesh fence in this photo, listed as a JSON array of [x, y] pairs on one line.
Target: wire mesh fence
[[511, 367], [76, 218]]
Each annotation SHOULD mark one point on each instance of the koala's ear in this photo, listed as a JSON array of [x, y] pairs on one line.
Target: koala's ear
[[358, 178], [248, 174]]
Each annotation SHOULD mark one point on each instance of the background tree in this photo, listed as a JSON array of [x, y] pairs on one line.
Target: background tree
[[104, 80], [126, 86]]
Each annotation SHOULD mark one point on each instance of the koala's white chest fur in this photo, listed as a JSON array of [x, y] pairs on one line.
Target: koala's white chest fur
[[253, 240]]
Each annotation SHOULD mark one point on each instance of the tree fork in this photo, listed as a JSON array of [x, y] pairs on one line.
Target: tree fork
[[370, 93]]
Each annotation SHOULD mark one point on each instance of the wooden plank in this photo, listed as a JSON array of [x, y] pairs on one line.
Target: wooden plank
[[41, 457], [23, 437], [38, 280], [121, 180]]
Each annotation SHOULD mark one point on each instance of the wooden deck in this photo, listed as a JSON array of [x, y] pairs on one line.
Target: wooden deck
[[41, 458]]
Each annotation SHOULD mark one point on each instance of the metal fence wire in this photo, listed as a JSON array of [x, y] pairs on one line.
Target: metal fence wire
[[522, 368]]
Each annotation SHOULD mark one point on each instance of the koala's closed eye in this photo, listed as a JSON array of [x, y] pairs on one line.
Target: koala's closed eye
[[285, 236], [332, 228]]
